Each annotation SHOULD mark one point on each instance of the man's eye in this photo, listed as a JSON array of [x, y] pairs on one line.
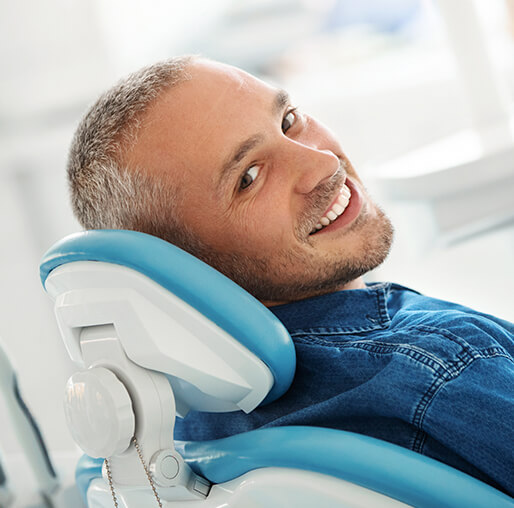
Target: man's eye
[[288, 121], [249, 177]]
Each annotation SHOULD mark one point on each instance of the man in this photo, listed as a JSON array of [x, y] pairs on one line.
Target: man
[[223, 165]]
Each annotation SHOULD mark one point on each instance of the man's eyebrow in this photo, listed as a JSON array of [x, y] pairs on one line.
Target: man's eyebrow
[[279, 103], [282, 99]]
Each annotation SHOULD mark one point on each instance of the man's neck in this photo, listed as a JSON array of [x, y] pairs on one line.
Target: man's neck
[[357, 283]]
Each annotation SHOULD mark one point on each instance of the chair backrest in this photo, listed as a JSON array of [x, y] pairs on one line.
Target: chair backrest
[[220, 348], [156, 333]]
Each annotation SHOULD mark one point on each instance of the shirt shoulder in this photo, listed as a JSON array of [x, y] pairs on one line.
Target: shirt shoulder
[[474, 330], [443, 336]]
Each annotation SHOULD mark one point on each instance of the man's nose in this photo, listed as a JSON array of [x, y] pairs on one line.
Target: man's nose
[[312, 167]]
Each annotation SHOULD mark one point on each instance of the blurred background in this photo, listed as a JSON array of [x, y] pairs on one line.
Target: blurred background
[[419, 92]]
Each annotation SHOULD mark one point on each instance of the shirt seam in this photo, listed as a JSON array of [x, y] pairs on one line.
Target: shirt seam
[[439, 382], [377, 315], [378, 346], [417, 354], [442, 371]]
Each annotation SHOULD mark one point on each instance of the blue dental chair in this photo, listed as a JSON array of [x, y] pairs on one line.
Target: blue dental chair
[[157, 333]]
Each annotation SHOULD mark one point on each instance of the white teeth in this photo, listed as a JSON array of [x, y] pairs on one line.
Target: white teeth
[[345, 191], [343, 201], [337, 208]]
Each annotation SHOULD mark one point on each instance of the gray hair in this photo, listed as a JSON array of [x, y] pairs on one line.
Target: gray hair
[[105, 193]]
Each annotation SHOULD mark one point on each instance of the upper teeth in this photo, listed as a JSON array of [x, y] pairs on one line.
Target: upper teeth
[[336, 209]]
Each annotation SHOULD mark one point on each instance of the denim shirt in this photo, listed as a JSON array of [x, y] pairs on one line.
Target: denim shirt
[[385, 361]]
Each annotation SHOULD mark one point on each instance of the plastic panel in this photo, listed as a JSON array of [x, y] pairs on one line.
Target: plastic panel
[[208, 369]]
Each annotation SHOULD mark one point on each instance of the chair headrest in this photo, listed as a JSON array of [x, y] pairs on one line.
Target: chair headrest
[[199, 285]]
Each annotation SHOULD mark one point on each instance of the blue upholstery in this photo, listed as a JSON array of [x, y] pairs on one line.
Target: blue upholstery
[[195, 282], [87, 470], [383, 467]]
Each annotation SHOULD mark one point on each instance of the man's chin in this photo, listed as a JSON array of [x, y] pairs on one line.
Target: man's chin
[[338, 271]]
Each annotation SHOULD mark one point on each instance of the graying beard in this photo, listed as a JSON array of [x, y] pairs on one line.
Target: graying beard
[[256, 274]]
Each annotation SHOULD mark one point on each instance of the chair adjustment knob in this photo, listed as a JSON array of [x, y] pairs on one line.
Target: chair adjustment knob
[[99, 412]]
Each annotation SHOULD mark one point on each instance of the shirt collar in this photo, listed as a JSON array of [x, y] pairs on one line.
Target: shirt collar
[[347, 311]]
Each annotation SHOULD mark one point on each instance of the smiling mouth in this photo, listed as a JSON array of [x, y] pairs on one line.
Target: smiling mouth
[[336, 209]]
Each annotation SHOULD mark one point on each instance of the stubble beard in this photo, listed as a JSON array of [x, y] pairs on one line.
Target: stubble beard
[[286, 276]]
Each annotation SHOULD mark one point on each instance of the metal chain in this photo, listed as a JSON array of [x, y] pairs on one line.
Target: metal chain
[[111, 484], [148, 475]]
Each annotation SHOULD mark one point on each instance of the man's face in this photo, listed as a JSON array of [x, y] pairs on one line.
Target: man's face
[[258, 178]]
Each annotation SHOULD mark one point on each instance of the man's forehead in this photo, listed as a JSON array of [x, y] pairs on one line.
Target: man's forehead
[[214, 89], [213, 92], [199, 122]]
